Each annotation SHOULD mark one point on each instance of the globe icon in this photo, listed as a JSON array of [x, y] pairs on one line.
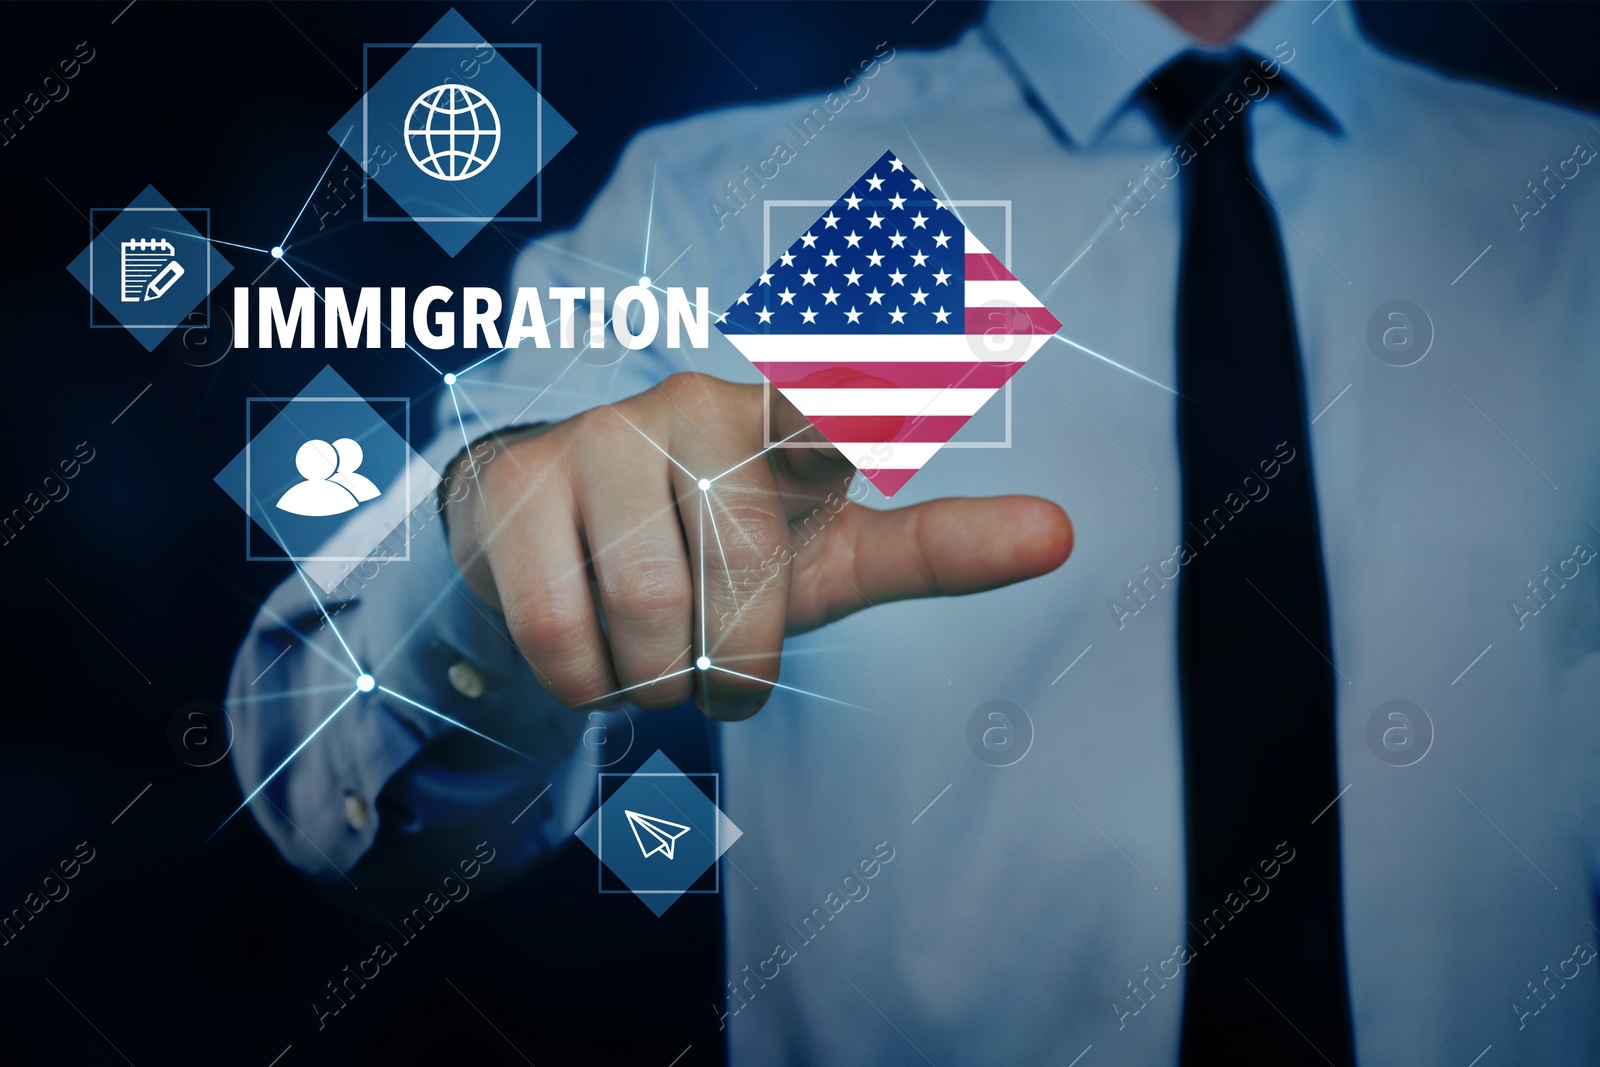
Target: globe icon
[[452, 132]]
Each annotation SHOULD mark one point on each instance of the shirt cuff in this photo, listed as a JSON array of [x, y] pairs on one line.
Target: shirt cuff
[[450, 747]]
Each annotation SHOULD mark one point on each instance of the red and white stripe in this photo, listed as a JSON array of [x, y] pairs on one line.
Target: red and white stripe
[[890, 402]]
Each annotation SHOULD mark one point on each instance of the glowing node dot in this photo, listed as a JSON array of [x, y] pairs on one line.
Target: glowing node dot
[[366, 683], [449, 379], [704, 484], [644, 281], [704, 663], [277, 251]]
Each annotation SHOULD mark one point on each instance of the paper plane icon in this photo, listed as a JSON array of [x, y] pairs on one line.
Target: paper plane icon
[[663, 834]]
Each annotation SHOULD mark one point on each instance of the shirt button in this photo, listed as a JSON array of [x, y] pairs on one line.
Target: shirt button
[[355, 811], [467, 679]]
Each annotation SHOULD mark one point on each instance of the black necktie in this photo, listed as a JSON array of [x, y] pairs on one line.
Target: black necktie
[[1268, 975]]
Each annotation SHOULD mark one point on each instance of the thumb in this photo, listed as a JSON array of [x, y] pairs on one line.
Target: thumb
[[947, 547]]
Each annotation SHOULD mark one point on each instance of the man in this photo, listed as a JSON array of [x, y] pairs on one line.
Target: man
[[1424, 535]]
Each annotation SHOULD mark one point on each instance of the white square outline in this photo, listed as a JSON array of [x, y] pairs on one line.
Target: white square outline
[[205, 239], [250, 443], [716, 829], [538, 135], [766, 384]]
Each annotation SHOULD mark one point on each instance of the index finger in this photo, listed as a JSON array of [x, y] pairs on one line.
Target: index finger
[[803, 457]]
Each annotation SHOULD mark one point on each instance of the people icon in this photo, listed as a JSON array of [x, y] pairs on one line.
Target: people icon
[[331, 485], [350, 457]]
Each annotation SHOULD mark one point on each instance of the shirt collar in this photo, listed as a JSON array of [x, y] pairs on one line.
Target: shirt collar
[[1085, 61]]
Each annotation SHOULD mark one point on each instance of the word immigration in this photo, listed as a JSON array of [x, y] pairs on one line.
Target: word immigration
[[439, 318]]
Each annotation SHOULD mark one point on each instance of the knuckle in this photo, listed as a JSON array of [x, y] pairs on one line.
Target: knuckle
[[923, 538], [546, 625], [750, 520], [601, 429], [648, 588], [753, 586], [559, 663], [688, 382], [584, 423], [752, 533], [693, 394], [573, 690]]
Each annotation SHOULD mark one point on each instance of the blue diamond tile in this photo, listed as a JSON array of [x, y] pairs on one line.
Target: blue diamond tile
[[658, 832], [149, 268], [313, 461], [453, 132]]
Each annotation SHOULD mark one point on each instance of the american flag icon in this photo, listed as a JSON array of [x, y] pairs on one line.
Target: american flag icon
[[888, 324]]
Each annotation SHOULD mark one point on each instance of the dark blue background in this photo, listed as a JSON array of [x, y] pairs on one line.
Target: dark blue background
[[188, 953]]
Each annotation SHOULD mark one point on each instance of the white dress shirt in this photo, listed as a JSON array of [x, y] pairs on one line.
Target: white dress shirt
[[1022, 901]]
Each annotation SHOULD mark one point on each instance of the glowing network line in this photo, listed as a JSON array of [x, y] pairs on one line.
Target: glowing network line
[[640, 685], [758, 455], [284, 624], [514, 387], [507, 348], [457, 723], [211, 240], [309, 196], [672, 459], [466, 442], [447, 588], [328, 619], [464, 395], [364, 681], [704, 663], [780, 685], [1068, 268], [944, 197], [788, 653], [286, 694], [1119, 366], [286, 761], [569, 253], [705, 503], [278, 251], [324, 299], [949, 205], [668, 267], [649, 222], [705, 646], [458, 375], [573, 362], [321, 609]]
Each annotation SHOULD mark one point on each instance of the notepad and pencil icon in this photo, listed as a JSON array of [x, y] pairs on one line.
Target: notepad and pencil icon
[[149, 268]]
